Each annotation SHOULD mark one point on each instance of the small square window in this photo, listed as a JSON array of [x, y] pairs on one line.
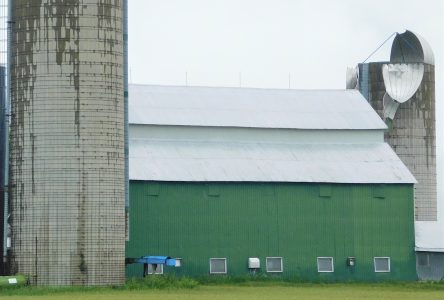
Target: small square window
[[158, 267], [423, 259], [325, 265], [382, 264], [218, 266], [274, 264]]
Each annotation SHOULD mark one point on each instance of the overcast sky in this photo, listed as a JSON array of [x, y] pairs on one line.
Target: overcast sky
[[258, 43], [214, 40]]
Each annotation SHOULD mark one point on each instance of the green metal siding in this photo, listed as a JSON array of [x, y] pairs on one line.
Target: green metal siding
[[199, 221]]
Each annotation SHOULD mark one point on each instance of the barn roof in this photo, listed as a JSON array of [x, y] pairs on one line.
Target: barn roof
[[429, 236], [175, 156], [248, 107], [182, 160]]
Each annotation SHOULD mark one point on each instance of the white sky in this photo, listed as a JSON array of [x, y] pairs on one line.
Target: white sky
[[265, 40]]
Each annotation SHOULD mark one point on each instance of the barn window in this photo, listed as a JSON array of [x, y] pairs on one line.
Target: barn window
[[274, 264], [382, 264], [423, 259], [325, 265], [158, 267], [218, 266]]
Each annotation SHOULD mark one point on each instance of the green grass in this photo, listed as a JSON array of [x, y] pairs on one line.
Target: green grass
[[185, 288]]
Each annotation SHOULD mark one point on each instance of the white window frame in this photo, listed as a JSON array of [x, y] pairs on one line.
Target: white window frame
[[159, 269], [332, 264], [389, 264], [274, 257], [218, 258]]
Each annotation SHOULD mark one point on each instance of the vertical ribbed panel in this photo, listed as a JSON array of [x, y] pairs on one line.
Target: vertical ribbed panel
[[288, 220], [126, 118], [3, 166], [67, 142], [412, 135], [3, 134], [430, 265], [363, 80]]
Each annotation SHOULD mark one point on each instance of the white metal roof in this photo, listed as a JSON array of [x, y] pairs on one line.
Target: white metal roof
[[247, 107], [429, 236], [173, 160]]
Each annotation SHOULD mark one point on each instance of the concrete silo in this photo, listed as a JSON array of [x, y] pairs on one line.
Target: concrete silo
[[405, 98], [67, 186]]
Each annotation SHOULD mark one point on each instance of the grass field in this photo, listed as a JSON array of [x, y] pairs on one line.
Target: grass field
[[249, 291]]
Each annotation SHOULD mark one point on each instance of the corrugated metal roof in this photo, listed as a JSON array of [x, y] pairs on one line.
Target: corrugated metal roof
[[167, 160], [429, 236], [247, 107]]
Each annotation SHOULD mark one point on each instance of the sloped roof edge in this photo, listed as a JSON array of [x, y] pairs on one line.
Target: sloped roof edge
[[167, 160], [252, 108]]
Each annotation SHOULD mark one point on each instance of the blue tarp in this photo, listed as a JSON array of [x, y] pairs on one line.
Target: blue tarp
[[160, 260]]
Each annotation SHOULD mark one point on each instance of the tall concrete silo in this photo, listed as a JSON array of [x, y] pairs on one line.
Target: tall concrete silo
[[3, 167], [67, 186], [4, 125], [402, 91]]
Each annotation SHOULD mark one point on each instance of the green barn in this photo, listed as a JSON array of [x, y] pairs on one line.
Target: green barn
[[288, 183]]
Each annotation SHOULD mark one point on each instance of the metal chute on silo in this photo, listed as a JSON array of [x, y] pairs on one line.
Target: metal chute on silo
[[390, 107], [401, 83], [404, 74]]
